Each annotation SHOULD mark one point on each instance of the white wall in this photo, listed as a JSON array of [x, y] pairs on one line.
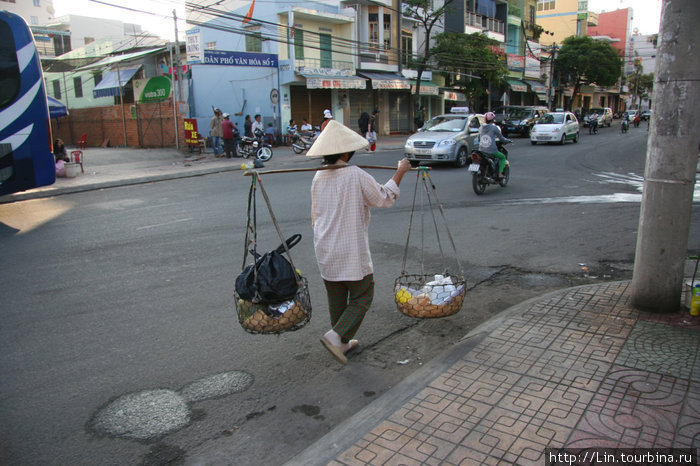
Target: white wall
[[32, 14]]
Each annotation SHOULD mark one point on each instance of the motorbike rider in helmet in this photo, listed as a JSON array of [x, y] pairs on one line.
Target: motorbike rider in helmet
[[488, 134]]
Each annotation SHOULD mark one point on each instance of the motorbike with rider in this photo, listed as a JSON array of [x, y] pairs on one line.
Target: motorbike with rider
[[490, 162], [625, 123]]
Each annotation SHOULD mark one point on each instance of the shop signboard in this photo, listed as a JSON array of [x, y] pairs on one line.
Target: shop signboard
[[153, 89], [516, 63], [191, 134], [234, 58], [193, 46]]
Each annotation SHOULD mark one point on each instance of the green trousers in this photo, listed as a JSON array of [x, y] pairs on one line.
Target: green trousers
[[348, 302], [501, 161]]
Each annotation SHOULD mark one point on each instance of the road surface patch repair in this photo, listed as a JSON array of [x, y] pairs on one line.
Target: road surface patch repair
[[150, 414]]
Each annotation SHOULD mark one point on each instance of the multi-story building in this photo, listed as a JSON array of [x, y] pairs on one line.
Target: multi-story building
[[642, 47], [564, 18], [34, 12], [292, 62], [67, 43], [614, 27]]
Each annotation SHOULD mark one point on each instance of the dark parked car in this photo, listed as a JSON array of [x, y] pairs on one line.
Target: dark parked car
[[520, 121], [503, 112]]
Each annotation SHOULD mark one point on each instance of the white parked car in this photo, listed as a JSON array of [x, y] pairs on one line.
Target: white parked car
[[555, 127], [445, 138]]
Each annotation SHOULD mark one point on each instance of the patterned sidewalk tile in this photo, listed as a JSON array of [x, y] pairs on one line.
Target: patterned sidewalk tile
[[636, 408], [575, 371], [662, 348]]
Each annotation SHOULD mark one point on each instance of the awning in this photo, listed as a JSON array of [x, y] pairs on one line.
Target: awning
[[56, 107], [387, 80], [536, 86], [109, 87], [119, 59], [516, 85], [426, 88], [541, 96], [334, 82]]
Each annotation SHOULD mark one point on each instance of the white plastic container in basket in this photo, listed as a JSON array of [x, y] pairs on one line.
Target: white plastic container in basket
[[429, 296]]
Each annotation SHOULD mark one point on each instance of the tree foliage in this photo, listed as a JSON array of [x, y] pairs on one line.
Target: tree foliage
[[471, 60], [583, 60]]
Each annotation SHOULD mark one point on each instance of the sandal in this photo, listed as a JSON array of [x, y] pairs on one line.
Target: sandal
[[336, 351]]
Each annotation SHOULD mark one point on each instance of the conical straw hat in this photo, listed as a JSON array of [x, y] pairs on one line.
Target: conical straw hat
[[336, 138]]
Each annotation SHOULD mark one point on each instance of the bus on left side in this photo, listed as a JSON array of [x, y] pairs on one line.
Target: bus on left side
[[26, 158]]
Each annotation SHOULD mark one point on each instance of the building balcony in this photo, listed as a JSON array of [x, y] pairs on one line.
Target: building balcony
[[492, 27], [341, 66], [378, 58]]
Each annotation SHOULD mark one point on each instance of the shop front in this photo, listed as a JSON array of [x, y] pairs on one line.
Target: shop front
[[391, 96]]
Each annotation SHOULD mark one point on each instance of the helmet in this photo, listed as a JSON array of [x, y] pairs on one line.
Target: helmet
[[225, 115], [489, 116]]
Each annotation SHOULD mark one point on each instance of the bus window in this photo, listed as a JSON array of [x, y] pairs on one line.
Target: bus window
[[9, 69], [26, 160]]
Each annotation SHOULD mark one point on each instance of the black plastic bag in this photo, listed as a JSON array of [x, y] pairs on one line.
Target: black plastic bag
[[273, 280]]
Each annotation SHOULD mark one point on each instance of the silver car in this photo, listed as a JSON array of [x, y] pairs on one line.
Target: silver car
[[445, 138]]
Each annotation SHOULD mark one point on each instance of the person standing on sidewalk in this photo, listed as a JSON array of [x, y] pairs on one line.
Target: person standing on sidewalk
[[248, 127], [227, 130], [372, 131], [327, 116], [341, 199], [215, 131]]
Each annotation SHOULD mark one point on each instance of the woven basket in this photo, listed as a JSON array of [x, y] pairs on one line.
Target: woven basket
[[266, 319], [421, 297]]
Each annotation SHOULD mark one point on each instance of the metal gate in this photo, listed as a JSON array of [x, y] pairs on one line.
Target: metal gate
[[399, 112], [309, 104], [360, 101]]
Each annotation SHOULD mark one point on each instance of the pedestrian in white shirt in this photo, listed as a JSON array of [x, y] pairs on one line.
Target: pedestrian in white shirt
[[341, 199], [257, 125]]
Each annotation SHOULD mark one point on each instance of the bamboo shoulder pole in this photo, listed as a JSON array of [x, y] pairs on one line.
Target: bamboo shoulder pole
[[323, 167]]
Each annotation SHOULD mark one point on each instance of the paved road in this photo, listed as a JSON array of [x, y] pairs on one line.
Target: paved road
[[119, 343]]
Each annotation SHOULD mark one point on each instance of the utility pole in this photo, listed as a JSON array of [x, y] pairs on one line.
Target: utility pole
[[177, 73], [177, 60], [669, 178], [552, 56]]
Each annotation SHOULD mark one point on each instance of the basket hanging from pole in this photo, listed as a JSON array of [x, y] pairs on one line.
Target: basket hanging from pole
[[429, 295], [278, 317]]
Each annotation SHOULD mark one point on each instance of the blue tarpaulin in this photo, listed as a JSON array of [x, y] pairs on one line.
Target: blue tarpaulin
[[109, 87], [56, 107]]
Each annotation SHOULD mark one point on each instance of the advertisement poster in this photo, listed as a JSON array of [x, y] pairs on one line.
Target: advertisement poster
[[532, 60], [152, 89], [193, 45]]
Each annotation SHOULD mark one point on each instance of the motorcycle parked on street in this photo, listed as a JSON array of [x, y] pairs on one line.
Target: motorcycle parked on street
[[255, 146], [303, 141], [484, 169]]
